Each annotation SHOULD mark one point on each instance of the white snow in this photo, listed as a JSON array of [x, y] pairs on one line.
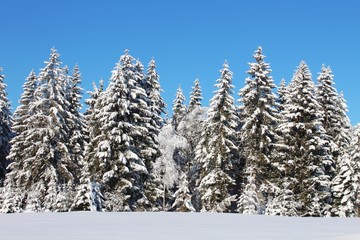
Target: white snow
[[174, 226]]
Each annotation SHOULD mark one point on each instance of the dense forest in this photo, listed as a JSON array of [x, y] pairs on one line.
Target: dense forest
[[288, 150]]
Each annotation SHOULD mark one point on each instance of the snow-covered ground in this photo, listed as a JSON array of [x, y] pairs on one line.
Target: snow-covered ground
[[172, 226]]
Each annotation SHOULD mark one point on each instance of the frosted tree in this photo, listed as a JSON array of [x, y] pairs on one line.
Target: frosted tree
[[355, 164], [89, 196], [337, 126], [257, 135], [309, 160], [195, 96], [182, 196], [19, 143], [47, 171], [179, 108], [249, 200], [147, 140], [217, 177], [335, 120], [76, 122], [282, 95], [153, 89], [343, 188], [119, 162], [5, 128]]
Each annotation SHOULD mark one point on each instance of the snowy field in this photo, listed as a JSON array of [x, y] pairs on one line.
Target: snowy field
[[172, 226]]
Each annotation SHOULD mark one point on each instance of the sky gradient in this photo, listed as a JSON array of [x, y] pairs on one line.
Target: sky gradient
[[189, 39]]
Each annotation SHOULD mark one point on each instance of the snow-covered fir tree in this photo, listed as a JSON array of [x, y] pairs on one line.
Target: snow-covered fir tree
[[218, 141], [5, 128], [179, 108], [309, 164], [148, 124], [45, 173], [76, 123], [258, 135], [119, 164], [282, 95], [343, 188], [337, 126], [335, 119], [153, 89], [89, 196], [355, 164], [195, 96], [182, 196], [20, 142]]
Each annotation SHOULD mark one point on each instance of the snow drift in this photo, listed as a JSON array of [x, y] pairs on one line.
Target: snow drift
[[163, 225]]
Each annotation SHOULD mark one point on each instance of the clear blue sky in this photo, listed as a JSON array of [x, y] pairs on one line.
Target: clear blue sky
[[188, 39]]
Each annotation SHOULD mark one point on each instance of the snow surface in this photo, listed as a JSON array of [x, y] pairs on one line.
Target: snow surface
[[164, 226]]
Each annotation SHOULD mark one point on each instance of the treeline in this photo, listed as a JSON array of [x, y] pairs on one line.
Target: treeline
[[286, 151]]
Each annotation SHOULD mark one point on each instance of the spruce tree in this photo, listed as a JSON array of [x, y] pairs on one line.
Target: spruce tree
[[335, 120], [195, 96], [355, 164], [5, 128], [119, 164], [309, 161], [258, 133], [182, 196], [19, 143], [282, 95], [153, 90], [218, 141], [179, 108], [89, 190], [76, 122], [45, 174], [337, 126]]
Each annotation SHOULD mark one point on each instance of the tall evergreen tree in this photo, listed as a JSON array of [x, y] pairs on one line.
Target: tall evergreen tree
[[5, 128], [153, 89], [282, 95], [88, 191], [179, 108], [76, 122], [47, 169], [119, 162], [337, 126], [257, 134], [355, 164], [218, 141], [335, 119], [19, 143], [195, 96], [309, 161]]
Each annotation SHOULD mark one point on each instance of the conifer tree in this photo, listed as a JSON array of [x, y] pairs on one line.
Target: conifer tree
[[218, 141], [179, 108], [309, 161], [76, 122], [335, 120], [147, 141], [355, 164], [152, 86], [282, 95], [337, 126], [182, 196], [119, 162], [19, 143], [157, 107], [5, 128], [45, 174], [89, 190], [195, 96], [257, 135]]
